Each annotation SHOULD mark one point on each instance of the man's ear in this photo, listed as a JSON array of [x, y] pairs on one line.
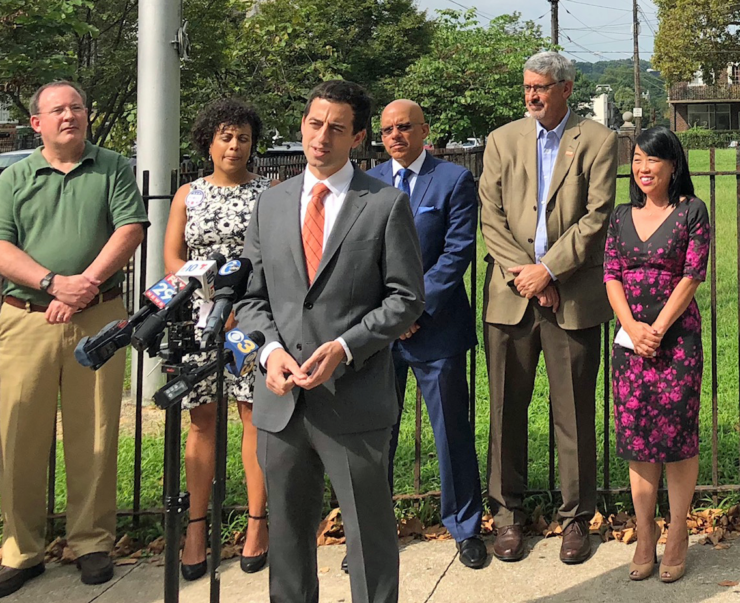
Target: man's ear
[[35, 123], [359, 137]]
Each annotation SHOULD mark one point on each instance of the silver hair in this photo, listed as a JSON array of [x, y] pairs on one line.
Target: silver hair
[[552, 64], [33, 106]]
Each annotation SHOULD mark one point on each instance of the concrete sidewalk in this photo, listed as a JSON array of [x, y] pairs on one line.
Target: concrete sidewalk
[[431, 573]]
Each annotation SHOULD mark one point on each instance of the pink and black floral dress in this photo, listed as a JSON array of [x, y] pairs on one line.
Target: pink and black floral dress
[[656, 400]]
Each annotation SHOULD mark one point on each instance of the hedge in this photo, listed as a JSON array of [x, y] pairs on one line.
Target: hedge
[[702, 138]]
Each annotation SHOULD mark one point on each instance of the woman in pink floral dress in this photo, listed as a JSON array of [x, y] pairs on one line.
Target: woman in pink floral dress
[[656, 257]]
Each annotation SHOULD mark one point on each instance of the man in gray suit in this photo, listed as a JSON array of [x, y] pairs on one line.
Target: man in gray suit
[[337, 278]]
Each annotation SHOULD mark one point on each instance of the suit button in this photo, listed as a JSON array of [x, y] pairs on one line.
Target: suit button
[[535, 208], [530, 240], [308, 305], [299, 347]]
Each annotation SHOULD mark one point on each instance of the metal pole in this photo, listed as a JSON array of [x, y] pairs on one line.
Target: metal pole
[[636, 60], [158, 133]]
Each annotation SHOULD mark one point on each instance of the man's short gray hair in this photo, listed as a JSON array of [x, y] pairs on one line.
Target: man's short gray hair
[[552, 64], [33, 105]]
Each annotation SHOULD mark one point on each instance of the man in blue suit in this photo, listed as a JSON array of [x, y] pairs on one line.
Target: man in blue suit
[[445, 208]]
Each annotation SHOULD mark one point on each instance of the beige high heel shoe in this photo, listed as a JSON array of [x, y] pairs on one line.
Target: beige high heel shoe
[[671, 573], [640, 571]]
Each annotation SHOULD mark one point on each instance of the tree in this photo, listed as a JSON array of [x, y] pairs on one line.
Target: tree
[[583, 91], [288, 46], [470, 81], [696, 35]]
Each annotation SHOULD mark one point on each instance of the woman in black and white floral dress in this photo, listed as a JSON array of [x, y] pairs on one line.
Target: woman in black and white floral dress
[[207, 216]]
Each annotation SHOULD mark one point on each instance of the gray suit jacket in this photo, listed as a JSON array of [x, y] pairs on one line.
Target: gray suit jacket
[[369, 289]]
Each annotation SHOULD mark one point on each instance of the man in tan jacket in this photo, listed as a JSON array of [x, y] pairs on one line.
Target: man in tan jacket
[[546, 191]]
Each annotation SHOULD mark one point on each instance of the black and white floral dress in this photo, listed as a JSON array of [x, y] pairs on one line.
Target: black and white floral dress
[[217, 220]]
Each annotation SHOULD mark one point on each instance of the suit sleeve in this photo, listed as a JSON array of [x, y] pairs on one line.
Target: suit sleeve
[[447, 273], [254, 308], [403, 276], [499, 239], [572, 249]]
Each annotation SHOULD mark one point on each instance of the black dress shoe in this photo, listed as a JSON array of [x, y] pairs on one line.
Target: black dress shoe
[[194, 571], [254, 564], [96, 568], [11, 579], [472, 552], [509, 543], [576, 547], [345, 567]]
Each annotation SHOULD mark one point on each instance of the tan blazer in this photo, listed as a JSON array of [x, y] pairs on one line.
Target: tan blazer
[[581, 198]]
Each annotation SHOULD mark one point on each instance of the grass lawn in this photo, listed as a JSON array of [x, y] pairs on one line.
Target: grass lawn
[[728, 421]]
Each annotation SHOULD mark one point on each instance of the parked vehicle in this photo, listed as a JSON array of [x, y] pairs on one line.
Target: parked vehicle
[[11, 157]]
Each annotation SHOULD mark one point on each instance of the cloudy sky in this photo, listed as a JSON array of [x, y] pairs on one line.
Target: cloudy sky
[[590, 30]]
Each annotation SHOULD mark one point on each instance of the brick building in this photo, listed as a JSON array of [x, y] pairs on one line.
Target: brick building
[[713, 106]]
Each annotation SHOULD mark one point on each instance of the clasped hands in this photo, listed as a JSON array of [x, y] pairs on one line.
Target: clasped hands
[[71, 294], [283, 372], [533, 280], [645, 338]]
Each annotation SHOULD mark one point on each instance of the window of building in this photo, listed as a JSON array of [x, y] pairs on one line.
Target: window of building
[[713, 117], [735, 75]]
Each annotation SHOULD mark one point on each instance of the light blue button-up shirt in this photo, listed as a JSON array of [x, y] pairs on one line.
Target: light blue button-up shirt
[[548, 145]]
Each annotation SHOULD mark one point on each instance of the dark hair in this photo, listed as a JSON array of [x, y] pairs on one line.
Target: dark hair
[[662, 143], [220, 114], [342, 91]]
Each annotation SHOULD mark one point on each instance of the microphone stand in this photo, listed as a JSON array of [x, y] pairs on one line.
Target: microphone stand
[[219, 474]]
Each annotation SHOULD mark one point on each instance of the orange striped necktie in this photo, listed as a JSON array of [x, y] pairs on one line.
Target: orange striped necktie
[[313, 230]]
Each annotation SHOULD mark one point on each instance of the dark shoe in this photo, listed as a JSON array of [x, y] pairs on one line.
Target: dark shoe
[[195, 570], [472, 552], [96, 568], [250, 565], [11, 579], [509, 543], [576, 547], [345, 567]]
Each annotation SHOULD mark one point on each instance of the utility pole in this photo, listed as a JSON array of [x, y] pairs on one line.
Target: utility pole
[[158, 134], [636, 60], [554, 21]]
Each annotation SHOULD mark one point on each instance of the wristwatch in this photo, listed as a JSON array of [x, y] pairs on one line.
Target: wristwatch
[[46, 281]]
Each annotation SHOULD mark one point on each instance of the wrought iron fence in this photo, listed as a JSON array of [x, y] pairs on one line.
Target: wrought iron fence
[[473, 160]]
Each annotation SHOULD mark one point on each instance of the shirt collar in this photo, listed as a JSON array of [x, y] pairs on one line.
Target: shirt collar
[[415, 165], [38, 161], [337, 183], [559, 129]]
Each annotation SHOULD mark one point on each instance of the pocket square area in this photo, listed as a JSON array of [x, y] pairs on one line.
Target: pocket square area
[[428, 208]]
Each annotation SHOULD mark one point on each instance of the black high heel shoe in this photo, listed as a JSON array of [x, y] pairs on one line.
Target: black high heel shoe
[[196, 570], [250, 565]]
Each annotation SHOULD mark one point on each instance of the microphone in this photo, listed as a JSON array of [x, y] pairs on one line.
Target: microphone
[[204, 273], [95, 351], [243, 348], [240, 356], [231, 285], [199, 276]]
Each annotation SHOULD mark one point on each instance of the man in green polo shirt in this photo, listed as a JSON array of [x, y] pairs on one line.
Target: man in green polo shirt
[[71, 217]]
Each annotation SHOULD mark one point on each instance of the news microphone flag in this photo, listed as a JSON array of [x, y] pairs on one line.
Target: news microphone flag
[[244, 349], [162, 292], [202, 271]]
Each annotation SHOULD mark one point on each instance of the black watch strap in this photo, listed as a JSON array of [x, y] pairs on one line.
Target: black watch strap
[[46, 281]]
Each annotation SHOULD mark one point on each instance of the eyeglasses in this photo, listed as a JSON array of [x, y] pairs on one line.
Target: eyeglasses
[[540, 88], [59, 111], [388, 130]]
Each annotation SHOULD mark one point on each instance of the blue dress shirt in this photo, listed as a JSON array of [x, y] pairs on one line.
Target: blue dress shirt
[[548, 145]]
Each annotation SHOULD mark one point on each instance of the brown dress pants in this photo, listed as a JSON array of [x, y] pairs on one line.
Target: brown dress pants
[[38, 370], [572, 359]]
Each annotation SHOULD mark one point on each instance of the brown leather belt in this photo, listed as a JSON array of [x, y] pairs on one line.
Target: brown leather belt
[[24, 305]]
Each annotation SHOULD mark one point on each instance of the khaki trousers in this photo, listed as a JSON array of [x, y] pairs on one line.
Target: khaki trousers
[[572, 360], [37, 370]]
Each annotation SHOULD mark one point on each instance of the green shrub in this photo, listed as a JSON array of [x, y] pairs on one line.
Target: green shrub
[[703, 138]]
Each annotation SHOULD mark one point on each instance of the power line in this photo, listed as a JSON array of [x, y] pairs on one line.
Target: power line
[[475, 10], [583, 47], [600, 6]]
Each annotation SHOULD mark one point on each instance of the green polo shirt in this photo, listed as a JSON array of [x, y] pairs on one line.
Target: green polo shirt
[[63, 221]]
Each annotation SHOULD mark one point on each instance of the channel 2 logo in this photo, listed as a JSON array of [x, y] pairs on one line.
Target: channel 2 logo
[[230, 268]]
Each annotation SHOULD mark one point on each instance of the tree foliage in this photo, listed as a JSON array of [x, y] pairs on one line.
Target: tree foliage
[[470, 81], [696, 35]]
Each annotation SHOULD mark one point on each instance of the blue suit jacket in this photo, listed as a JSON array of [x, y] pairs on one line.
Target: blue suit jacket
[[445, 208]]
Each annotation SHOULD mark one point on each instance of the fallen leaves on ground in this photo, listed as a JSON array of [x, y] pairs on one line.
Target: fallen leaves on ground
[[331, 530], [728, 583]]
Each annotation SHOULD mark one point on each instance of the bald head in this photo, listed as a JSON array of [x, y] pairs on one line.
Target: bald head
[[403, 129]]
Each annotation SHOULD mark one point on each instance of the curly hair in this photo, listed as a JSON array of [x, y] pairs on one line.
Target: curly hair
[[220, 114]]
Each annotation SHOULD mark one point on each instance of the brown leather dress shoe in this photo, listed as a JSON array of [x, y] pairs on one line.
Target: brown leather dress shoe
[[576, 547], [509, 543]]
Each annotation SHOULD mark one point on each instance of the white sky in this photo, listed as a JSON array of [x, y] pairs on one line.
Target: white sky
[[598, 29]]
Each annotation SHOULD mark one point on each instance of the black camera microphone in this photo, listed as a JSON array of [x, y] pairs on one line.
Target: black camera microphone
[[231, 285]]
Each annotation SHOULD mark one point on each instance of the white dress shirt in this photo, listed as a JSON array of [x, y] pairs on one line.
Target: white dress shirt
[[338, 185], [415, 168]]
